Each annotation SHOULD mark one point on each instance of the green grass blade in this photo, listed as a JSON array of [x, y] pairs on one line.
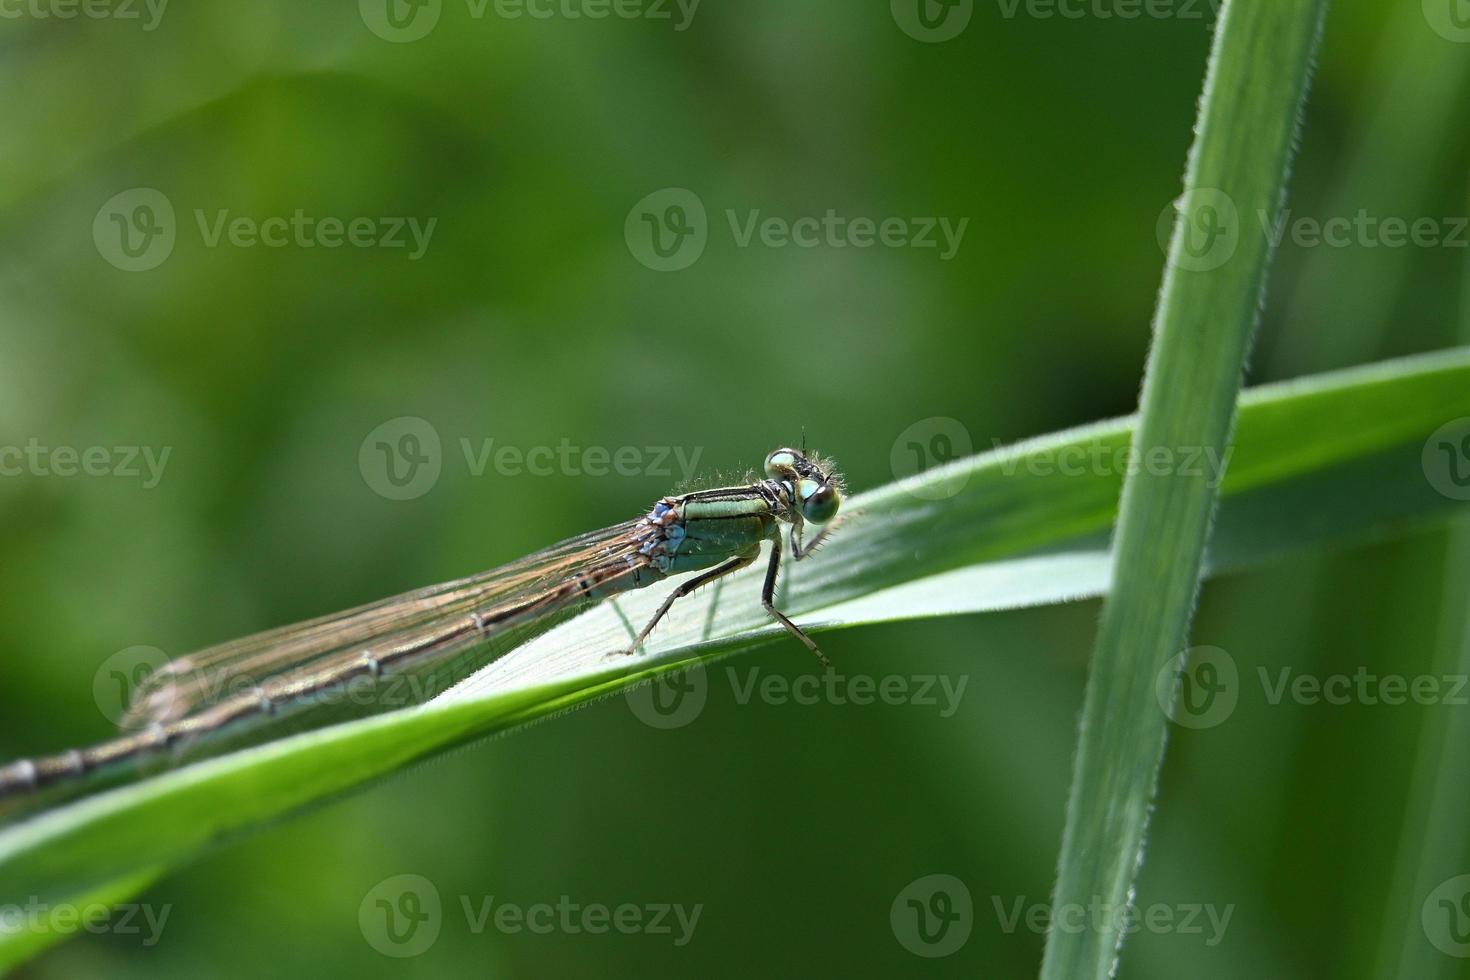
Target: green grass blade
[[1433, 844], [1322, 460], [1208, 306], [1419, 941]]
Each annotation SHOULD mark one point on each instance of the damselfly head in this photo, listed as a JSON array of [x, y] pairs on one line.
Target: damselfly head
[[817, 488]]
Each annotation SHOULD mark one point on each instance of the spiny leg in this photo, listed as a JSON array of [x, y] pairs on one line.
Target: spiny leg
[[719, 571], [799, 550], [768, 597]]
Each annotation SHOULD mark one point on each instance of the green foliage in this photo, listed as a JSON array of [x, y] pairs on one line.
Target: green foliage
[[529, 322], [1018, 527]]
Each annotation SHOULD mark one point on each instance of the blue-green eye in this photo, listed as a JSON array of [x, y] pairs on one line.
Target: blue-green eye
[[819, 501], [780, 463]]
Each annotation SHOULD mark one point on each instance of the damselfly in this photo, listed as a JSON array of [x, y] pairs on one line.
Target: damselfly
[[348, 664]]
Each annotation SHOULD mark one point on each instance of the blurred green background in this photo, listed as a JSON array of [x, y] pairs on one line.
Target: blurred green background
[[531, 319]]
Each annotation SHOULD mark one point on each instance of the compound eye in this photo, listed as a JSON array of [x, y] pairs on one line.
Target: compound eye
[[819, 501], [782, 462]]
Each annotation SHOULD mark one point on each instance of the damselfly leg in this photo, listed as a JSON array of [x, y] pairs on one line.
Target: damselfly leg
[[768, 593], [733, 565], [768, 600]]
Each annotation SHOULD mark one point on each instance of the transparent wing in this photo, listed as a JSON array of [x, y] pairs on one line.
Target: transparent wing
[[410, 622]]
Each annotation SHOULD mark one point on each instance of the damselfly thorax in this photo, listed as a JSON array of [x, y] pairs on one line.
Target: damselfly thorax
[[403, 650]]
